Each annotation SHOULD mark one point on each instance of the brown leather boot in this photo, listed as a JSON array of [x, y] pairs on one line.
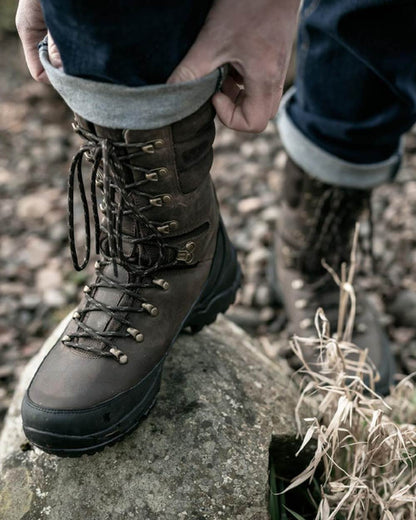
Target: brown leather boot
[[318, 222], [166, 263]]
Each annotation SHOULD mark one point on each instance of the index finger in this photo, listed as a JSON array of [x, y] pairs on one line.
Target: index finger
[[251, 110]]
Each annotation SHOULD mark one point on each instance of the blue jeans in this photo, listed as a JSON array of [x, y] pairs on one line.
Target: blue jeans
[[356, 76], [355, 90], [128, 42]]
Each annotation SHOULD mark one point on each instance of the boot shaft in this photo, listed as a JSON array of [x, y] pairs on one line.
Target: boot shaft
[[155, 184], [317, 220]]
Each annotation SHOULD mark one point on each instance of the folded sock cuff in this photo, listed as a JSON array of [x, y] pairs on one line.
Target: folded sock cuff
[[137, 108]]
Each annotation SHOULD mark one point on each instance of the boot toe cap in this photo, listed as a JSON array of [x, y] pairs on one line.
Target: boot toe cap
[[81, 430]]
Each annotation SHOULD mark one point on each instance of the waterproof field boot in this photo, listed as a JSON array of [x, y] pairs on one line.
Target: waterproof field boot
[[317, 222], [165, 264]]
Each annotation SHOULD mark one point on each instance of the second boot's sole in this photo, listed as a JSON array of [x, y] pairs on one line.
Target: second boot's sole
[[218, 294]]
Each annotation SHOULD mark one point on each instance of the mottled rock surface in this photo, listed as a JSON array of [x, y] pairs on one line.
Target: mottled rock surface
[[202, 453]]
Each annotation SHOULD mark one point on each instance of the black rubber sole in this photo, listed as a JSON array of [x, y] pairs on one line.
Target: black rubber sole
[[202, 316], [218, 294]]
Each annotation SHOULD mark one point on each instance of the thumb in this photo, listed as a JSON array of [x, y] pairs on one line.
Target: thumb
[[54, 54], [200, 60]]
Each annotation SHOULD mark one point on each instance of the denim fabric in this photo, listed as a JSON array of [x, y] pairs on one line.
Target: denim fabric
[[356, 73], [128, 42], [356, 76]]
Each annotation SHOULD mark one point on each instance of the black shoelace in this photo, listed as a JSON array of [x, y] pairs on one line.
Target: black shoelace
[[114, 159]]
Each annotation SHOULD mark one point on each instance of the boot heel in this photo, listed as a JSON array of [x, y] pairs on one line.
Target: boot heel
[[221, 287]]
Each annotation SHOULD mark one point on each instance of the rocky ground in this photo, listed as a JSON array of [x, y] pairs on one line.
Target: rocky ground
[[38, 285]]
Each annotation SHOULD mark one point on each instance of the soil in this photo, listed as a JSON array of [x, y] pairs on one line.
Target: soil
[[38, 285]]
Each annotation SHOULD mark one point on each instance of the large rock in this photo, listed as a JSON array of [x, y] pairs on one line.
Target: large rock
[[202, 453]]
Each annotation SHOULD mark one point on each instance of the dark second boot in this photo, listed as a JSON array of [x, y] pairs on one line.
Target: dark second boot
[[165, 263], [318, 222]]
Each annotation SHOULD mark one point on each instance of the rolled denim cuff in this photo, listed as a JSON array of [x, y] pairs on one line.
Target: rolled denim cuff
[[136, 108], [326, 167]]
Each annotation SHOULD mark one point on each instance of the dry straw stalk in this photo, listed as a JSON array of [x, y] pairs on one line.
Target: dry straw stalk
[[365, 444]]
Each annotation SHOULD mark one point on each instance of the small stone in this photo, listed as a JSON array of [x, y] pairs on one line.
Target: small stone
[[258, 256], [403, 308], [267, 314], [242, 241], [30, 300], [225, 138], [50, 277], [262, 297], [54, 298], [247, 293], [280, 160], [247, 149], [260, 231], [250, 205], [245, 317], [56, 152], [36, 205], [58, 231], [6, 371], [261, 147], [271, 214], [408, 357], [35, 252]]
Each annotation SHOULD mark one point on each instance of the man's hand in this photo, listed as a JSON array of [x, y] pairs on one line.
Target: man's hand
[[32, 29], [255, 37]]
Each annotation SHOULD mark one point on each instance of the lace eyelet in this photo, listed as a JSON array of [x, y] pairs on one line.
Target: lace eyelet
[[157, 202], [161, 283], [119, 355], [167, 228], [186, 255], [148, 148], [152, 176], [161, 200], [151, 147], [137, 335], [151, 309]]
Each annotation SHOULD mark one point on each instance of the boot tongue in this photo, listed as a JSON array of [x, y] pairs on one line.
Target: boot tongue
[[143, 254]]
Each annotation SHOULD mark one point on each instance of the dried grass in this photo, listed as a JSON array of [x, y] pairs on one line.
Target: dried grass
[[365, 444]]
